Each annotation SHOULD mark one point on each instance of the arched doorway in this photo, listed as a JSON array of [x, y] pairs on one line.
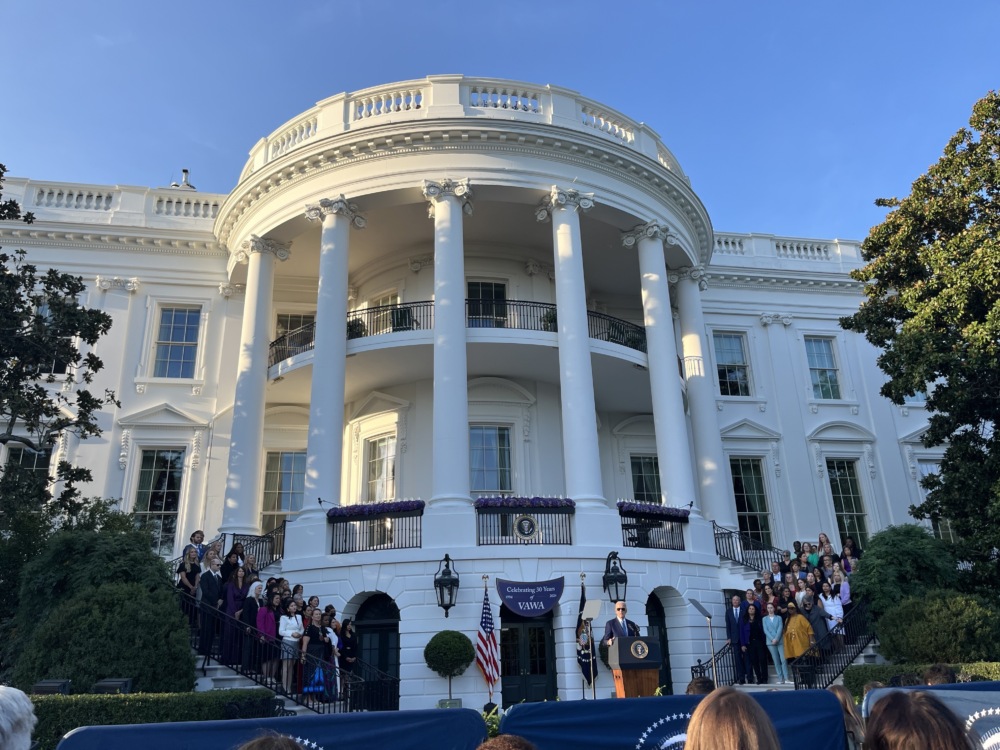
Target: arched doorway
[[658, 629], [377, 626], [527, 658]]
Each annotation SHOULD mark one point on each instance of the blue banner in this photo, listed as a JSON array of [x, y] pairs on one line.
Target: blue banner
[[530, 599], [976, 703], [442, 729], [804, 719]]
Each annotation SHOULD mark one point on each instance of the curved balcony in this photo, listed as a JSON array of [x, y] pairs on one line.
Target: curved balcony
[[412, 316]]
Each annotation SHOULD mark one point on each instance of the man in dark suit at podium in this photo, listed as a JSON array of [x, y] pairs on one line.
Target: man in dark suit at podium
[[618, 626]]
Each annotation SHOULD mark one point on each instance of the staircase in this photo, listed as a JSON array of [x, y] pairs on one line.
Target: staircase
[[822, 666]]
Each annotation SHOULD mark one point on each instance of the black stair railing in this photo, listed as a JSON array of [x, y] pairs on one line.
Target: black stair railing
[[266, 549], [725, 667], [743, 549], [315, 684], [834, 652]]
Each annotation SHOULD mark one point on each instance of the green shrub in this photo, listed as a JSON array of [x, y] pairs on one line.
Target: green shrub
[[449, 653], [59, 714], [857, 676], [902, 561], [118, 630], [942, 626]]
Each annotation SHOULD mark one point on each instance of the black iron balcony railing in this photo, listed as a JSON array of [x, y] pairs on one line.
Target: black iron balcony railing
[[725, 667], [314, 683], [617, 331], [480, 313], [834, 652], [524, 526], [743, 549], [651, 531], [266, 549], [379, 531]]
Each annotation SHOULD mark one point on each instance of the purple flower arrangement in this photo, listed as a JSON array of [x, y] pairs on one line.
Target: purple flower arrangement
[[523, 502], [653, 509], [365, 510]]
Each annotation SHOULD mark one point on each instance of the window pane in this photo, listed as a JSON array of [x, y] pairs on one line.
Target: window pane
[[381, 453], [284, 486], [487, 304], [750, 495], [731, 364], [847, 501], [177, 342], [646, 479], [158, 496], [822, 368], [490, 471]]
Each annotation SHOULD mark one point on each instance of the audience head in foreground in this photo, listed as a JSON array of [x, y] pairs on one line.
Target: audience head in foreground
[[916, 720], [728, 719], [17, 719]]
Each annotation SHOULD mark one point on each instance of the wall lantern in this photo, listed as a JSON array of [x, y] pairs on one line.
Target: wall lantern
[[615, 578], [446, 585]]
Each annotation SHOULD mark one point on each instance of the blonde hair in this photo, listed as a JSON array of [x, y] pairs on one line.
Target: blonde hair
[[727, 719], [852, 719]]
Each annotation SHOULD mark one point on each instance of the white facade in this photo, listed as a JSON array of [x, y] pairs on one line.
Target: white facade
[[540, 202]]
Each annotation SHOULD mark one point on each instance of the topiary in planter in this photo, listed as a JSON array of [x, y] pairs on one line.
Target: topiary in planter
[[449, 653]]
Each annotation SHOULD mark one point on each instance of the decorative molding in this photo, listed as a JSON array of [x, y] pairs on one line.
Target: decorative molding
[[120, 240], [123, 453], [526, 422], [818, 454], [420, 262], [767, 319], [693, 273], [196, 390], [104, 283], [565, 199], [814, 408], [775, 458], [870, 459], [352, 293], [228, 290], [651, 230], [261, 245], [196, 448], [855, 410], [401, 418], [622, 456], [355, 443], [448, 188], [140, 388], [911, 461], [338, 206], [63, 447]]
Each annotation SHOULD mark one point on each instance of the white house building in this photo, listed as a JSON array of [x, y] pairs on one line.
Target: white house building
[[460, 288]]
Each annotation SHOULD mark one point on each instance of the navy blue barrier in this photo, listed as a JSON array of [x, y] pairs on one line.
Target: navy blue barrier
[[803, 718], [442, 729]]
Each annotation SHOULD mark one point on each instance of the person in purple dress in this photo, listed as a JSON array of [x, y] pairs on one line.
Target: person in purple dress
[[234, 594]]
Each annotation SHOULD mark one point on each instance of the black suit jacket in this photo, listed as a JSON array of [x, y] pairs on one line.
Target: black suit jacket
[[733, 624], [211, 590]]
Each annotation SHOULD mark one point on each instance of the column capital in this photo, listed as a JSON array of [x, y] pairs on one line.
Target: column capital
[[255, 244], [448, 188], [562, 198], [690, 273], [336, 206], [652, 230]]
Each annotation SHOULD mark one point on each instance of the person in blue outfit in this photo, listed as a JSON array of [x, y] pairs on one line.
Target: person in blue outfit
[[619, 626], [734, 619]]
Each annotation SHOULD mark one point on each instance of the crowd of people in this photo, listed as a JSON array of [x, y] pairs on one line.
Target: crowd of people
[[270, 629], [790, 608]]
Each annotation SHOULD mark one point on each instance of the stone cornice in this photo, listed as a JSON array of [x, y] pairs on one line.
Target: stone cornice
[[758, 278], [336, 206], [109, 240], [569, 146], [434, 192]]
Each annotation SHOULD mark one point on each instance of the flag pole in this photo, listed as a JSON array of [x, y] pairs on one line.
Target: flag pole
[[486, 588]]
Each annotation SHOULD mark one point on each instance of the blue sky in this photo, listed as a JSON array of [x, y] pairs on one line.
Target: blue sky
[[789, 117]]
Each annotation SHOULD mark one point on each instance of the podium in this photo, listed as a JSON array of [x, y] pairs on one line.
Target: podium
[[635, 664]]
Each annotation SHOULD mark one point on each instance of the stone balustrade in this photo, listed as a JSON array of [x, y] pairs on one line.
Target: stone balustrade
[[743, 249]]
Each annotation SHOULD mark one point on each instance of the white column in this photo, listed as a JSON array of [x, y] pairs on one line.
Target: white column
[[324, 455], [241, 514], [448, 201], [576, 380], [673, 450], [713, 471]]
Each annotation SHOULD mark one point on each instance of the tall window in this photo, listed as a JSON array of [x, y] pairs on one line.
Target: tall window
[[158, 497], [284, 487], [177, 342], [847, 501], [731, 364], [646, 479], [942, 526], [822, 368], [287, 322], [381, 453], [490, 460], [487, 304], [54, 366], [25, 459], [382, 318], [751, 498]]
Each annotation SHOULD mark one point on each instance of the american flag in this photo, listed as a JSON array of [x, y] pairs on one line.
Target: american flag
[[487, 650]]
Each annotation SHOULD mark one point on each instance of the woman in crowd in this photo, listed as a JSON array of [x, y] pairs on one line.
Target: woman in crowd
[[290, 630], [834, 612], [800, 591], [773, 632], [909, 719], [267, 624], [234, 594], [769, 597], [754, 647], [314, 643], [330, 656], [787, 597], [827, 568], [813, 558], [842, 588], [250, 566], [348, 648], [206, 562], [728, 719], [853, 724], [813, 584], [799, 636], [229, 564], [251, 606], [188, 577]]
